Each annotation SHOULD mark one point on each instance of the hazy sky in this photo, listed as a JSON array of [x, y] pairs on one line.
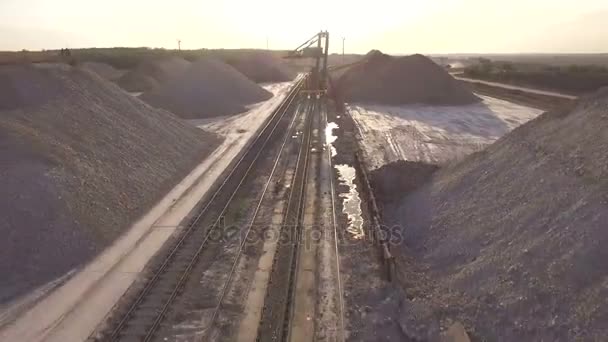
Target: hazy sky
[[394, 26]]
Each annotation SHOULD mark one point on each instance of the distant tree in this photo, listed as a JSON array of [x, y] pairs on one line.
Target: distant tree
[[507, 67], [485, 66]]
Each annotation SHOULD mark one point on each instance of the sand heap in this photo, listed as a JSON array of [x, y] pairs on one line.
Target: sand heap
[[515, 236], [390, 80], [208, 88], [152, 73], [80, 160], [262, 67], [104, 70]]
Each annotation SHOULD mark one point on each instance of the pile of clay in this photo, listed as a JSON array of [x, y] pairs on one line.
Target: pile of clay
[[81, 160], [383, 79]]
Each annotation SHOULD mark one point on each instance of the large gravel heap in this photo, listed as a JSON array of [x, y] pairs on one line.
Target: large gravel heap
[[262, 67], [208, 88], [80, 160], [153, 73], [515, 237], [104, 70], [384, 79]]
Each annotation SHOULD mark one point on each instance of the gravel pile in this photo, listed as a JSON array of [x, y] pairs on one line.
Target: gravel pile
[[384, 79], [105, 71], [153, 73], [262, 67], [208, 88], [80, 160], [512, 240]]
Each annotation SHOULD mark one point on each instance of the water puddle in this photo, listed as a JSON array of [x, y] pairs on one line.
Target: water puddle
[[351, 201], [330, 138]]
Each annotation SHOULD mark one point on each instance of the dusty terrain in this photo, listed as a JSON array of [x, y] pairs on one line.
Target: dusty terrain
[[435, 134], [383, 79], [207, 88], [81, 160], [511, 240]]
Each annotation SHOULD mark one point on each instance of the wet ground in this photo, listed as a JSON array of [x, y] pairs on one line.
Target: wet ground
[[371, 306]]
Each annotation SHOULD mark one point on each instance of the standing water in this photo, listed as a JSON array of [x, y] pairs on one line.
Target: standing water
[[351, 201], [330, 138]]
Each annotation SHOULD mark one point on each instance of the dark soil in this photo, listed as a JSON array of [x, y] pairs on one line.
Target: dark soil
[[512, 240], [390, 181], [384, 79], [80, 160], [208, 88]]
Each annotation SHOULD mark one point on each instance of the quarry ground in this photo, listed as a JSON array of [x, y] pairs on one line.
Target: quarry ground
[[71, 307], [428, 133], [434, 134], [375, 309], [76, 305]]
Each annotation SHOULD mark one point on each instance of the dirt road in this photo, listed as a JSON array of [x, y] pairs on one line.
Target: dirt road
[[513, 87]]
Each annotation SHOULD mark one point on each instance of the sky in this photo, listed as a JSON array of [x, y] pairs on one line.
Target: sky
[[393, 26]]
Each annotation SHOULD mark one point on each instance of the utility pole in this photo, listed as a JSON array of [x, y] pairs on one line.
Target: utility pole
[[179, 45], [267, 45], [343, 39]]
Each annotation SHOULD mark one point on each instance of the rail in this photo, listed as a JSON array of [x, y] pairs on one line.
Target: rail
[[163, 287], [274, 324]]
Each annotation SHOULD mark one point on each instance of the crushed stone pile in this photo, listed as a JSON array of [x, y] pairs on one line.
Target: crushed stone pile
[[262, 67], [514, 237], [208, 88], [80, 161], [153, 73], [104, 70], [384, 79]]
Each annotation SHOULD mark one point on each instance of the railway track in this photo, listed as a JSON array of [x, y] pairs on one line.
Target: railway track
[[251, 226], [142, 317], [334, 225], [276, 314]]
